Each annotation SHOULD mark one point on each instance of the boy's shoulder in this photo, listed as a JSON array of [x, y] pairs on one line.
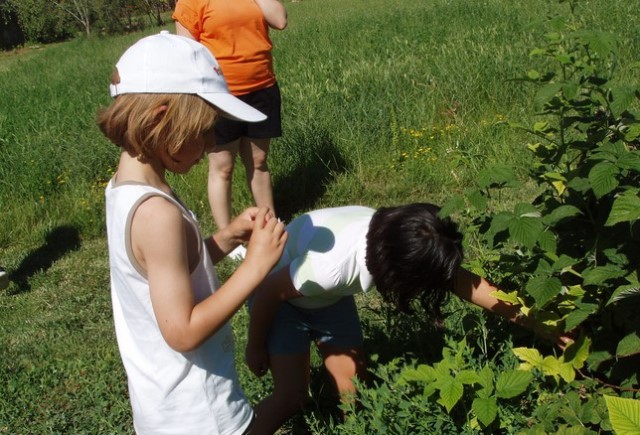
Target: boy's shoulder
[[348, 212]]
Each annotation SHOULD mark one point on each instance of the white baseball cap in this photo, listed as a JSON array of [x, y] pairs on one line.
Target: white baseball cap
[[173, 64]]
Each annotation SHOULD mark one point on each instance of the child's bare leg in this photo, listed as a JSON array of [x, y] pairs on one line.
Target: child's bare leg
[[343, 364], [291, 390]]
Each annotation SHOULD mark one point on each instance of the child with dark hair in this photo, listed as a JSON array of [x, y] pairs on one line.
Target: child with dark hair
[[412, 253], [170, 312], [406, 252]]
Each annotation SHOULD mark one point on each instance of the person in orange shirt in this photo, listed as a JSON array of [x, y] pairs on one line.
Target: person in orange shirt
[[237, 33]]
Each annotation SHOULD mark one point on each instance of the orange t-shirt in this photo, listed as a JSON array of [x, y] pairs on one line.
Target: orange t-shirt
[[237, 34]]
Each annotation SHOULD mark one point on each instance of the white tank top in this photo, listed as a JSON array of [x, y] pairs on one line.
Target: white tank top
[[171, 392]]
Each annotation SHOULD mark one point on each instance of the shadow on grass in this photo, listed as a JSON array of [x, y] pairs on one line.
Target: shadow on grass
[[57, 243], [306, 163], [394, 335]]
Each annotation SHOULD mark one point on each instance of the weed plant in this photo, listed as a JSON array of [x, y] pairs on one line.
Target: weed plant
[[383, 103]]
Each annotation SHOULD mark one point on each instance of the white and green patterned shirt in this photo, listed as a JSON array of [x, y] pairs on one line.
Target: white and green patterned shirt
[[326, 252]]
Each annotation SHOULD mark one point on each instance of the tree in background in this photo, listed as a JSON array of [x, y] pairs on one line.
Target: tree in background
[[41, 20], [80, 10], [49, 21], [11, 34]]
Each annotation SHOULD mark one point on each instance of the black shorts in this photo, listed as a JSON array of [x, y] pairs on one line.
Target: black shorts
[[265, 100]]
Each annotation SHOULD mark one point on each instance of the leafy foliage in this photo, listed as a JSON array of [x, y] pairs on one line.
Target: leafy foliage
[[61, 19], [625, 414], [573, 251]]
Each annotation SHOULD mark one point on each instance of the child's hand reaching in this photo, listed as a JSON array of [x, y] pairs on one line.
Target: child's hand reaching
[[267, 239]]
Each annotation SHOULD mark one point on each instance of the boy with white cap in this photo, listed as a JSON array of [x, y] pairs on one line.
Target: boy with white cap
[[170, 312]]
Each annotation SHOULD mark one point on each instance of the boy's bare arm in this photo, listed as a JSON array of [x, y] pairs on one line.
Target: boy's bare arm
[[276, 288], [158, 236], [477, 290]]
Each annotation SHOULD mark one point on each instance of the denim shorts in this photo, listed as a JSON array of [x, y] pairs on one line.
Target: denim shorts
[[294, 328], [265, 100]]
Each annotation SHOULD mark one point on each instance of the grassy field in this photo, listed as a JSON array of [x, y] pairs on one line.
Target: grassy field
[[384, 103]]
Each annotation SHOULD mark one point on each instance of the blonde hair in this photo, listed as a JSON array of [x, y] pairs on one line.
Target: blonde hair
[[134, 122]]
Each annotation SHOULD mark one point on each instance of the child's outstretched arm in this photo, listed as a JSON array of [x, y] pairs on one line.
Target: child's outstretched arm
[[477, 290], [276, 288], [159, 242]]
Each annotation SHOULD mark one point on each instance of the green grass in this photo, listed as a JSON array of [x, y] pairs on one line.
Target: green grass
[[384, 103]]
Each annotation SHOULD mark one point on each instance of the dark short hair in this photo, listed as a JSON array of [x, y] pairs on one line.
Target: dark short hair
[[413, 253]]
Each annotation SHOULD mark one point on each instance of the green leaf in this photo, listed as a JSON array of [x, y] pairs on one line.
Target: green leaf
[[600, 274], [496, 175], [485, 409], [547, 241], [543, 268], [541, 127], [454, 204], [533, 74], [579, 315], [597, 357], [511, 297], [551, 366], [560, 213], [629, 160], [629, 345], [525, 230], [477, 200], [531, 357], [525, 209], [423, 373], [632, 133], [624, 414], [567, 372], [622, 97], [600, 43], [442, 369], [624, 292], [546, 93], [538, 52], [467, 377], [499, 223], [625, 208], [485, 378], [603, 178], [563, 262], [543, 289], [570, 89], [450, 393], [512, 383], [577, 352]]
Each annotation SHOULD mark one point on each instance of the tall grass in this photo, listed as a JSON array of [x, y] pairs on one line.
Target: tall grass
[[384, 102]]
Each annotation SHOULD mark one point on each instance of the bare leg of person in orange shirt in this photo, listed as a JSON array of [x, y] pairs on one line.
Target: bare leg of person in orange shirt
[[253, 153]]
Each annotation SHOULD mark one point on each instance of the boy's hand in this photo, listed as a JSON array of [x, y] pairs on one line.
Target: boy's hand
[[257, 359], [267, 239]]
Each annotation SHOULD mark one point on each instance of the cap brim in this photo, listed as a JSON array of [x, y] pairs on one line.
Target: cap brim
[[233, 107]]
